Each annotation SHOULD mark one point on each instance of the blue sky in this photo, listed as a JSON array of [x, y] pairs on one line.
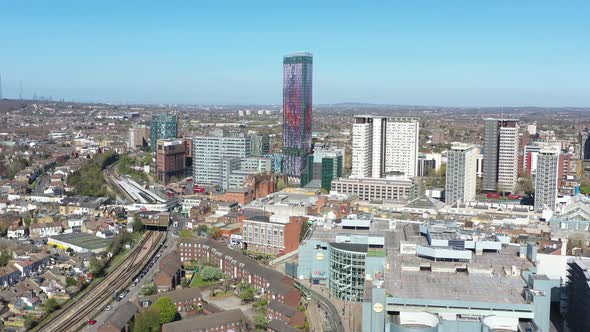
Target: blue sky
[[450, 53]]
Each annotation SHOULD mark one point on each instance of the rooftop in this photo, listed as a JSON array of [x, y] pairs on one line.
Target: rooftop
[[83, 240], [489, 281]]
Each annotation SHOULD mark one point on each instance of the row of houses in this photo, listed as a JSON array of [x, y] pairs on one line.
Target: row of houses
[[22, 268]]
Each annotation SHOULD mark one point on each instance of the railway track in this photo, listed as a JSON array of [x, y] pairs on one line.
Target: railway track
[[74, 315]]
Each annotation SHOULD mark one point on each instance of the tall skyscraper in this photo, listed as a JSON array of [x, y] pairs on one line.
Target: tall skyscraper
[[500, 155], [546, 178], [211, 152], [383, 146], [297, 114], [461, 173], [401, 147], [163, 126]]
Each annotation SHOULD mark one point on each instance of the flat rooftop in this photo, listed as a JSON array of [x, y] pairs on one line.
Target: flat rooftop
[[495, 286], [82, 240], [379, 227]]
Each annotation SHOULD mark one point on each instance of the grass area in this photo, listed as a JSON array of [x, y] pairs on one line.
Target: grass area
[[222, 294], [199, 282]]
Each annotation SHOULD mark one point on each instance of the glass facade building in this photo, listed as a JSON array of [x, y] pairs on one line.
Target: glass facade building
[[163, 126], [347, 271], [297, 115]]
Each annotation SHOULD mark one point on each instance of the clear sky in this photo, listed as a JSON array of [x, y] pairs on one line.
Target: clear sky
[[439, 52]]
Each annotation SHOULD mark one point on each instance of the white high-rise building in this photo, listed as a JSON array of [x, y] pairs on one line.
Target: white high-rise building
[[532, 128], [401, 148], [362, 146], [381, 145], [546, 178], [461, 173], [508, 159], [500, 155]]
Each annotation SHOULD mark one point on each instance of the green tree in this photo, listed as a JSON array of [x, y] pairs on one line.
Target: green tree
[[4, 257], [214, 232], [147, 158], [148, 290], [119, 241], [96, 266], [186, 233], [50, 305], [260, 322], [70, 281], [167, 310], [28, 221], [184, 283], [30, 322], [247, 294], [210, 273], [202, 229], [138, 225], [147, 321], [281, 184]]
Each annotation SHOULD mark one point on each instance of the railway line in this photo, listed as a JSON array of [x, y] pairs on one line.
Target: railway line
[[75, 314]]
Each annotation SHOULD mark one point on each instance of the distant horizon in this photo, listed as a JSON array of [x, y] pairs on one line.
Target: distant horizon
[[373, 105]]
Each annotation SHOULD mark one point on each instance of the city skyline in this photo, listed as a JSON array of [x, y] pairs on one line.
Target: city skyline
[[400, 54]]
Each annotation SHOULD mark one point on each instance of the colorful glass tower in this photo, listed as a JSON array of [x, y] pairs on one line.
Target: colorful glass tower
[[297, 79]]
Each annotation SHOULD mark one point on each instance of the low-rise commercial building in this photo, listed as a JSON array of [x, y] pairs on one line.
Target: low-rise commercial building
[[79, 242], [371, 189]]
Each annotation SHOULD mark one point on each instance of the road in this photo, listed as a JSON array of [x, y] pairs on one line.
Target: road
[[332, 315]]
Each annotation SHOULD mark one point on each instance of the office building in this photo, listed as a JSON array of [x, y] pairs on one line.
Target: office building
[[211, 152], [327, 165], [260, 145], [369, 189], [139, 137], [234, 172], [500, 153], [426, 167], [297, 115], [170, 160], [274, 235], [383, 146], [546, 179], [163, 126], [461, 177]]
